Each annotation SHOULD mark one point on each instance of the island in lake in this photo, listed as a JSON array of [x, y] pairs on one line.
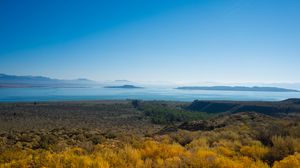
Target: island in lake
[[238, 88], [124, 87]]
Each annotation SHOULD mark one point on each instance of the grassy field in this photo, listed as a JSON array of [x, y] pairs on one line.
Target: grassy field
[[136, 133]]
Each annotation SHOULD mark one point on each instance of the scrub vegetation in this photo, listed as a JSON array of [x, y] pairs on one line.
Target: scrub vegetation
[[144, 134]]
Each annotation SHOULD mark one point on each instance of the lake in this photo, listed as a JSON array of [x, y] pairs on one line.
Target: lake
[[99, 93]]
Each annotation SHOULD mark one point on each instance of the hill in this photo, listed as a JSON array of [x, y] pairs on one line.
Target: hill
[[270, 108]]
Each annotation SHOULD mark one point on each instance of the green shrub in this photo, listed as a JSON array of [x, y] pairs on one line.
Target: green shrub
[[160, 113]]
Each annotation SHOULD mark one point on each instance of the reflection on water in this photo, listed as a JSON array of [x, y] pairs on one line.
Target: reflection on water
[[98, 93]]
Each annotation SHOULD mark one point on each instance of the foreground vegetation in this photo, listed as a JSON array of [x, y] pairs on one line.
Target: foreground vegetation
[[241, 140]]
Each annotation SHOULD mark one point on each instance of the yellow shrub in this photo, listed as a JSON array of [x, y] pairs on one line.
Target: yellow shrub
[[250, 163], [132, 157], [173, 162], [225, 151], [204, 158], [256, 151], [155, 150], [200, 143], [292, 161], [225, 162]]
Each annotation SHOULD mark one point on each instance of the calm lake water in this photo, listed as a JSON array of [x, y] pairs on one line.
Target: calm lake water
[[98, 93]]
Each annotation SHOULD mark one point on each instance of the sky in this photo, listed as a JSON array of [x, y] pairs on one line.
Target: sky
[[152, 40]]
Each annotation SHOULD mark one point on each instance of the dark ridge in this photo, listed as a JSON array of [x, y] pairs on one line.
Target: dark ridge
[[225, 120], [292, 101], [269, 108]]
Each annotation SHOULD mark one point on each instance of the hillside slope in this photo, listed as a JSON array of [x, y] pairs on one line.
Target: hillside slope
[[270, 108]]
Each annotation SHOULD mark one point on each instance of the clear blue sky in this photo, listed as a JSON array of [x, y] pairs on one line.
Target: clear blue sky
[[152, 40]]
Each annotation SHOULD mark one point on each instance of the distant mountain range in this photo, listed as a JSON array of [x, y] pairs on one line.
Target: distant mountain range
[[12, 81], [238, 88]]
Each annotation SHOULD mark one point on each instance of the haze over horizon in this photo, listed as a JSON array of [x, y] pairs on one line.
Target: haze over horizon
[[178, 41]]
